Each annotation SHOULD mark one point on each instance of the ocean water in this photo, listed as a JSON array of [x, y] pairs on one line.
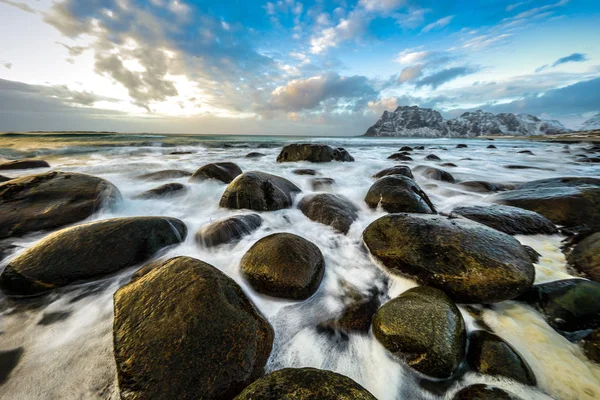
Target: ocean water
[[67, 341]]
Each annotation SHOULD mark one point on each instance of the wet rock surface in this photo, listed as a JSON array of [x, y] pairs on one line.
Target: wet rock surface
[[23, 164], [4, 178], [225, 346], [396, 170], [165, 174], [224, 172], [469, 261], [483, 392], [397, 193], [228, 230], [166, 190], [330, 209], [259, 191], [434, 173], [591, 345], [483, 186], [254, 154], [51, 200], [313, 153], [424, 328], [585, 256], [400, 157], [89, 251], [319, 184]]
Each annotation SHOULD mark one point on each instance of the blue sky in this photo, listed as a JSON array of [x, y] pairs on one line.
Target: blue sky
[[290, 67]]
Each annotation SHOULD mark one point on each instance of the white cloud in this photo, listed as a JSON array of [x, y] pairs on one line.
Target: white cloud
[[384, 6], [409, 56], [346, 29], [439, 24]]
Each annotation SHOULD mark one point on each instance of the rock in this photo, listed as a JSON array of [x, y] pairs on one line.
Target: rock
[[434, 173], [51, 200], [186, 330], [312, 153], [419, 147], [491, 146], [166, 190], [228, 230], [305, 384], [483, 186], [330, 209], [396, 170], [483, 392], [525, 152], [322, 183], [527, 167], [400, 157], [284, 265], [6, 250], [89, 251], [397, 193], [305, 171], [510, 220], [9, 359], [424, 328], [569, 305], [406, 148], [585, 256], [564, 201], [165, 174], [23, 164], [534, 256], [180, 153], [254, 154], [357, 314], [461, 146], [433, 157], [469, 261], [448, 164], [259, 191], [591, 345], [4, 179], [488, 354], [223, 171]]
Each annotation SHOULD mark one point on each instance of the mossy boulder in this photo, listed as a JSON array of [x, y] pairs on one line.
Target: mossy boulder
[[313, 153], [469, 261], [397, 193], [284, 265], [163, 191], [330, 209], [228, 230], [23, 164], [185, 330], [89, 251], [424, 328], [259, 191], [585, 256], [434, 173], [507, 219], [165, 174], [305, 384], [51, 200], [223, 171], [569, 305], [483, 392], [564, 201], [489, 354], [396, 170]]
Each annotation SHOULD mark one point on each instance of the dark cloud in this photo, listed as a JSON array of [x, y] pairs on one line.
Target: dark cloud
[[446, 75]]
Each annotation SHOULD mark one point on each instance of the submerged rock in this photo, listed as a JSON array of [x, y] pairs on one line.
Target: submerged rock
[[4, 178], [284, 265], [254, 154], [165, 174], [259, 191], [228, 230], [461, 146], [89, 251], [491, 146], [569, 305], [469, 261], [510, 220], [483, 392], [400, 157], [357, 313], [304, 171], [322, 183], [534, 256], [434, 173], [305, 384], [23, 164], [51, 200], [483, 186], [223, 171], [313, 153], [448, 164], [424, 328], [406, 148], [489, 354], [166, 190], [396, 170], [185, 330], [330, 209], [585, 256], [432, 157], [397, 193]]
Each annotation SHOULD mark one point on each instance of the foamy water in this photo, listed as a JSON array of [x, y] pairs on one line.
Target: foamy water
[[67, 342]]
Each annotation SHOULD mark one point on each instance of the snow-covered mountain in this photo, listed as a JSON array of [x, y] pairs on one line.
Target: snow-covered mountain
[[425, 122], [592, 123]]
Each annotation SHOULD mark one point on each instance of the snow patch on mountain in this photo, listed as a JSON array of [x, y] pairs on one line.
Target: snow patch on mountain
[[592, 123]]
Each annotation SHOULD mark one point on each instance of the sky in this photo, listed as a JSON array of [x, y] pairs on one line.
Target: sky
[[319, 67]]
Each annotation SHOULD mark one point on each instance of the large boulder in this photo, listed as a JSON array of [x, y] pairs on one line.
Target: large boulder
[[89, 251], [284, 265], [23, 164], [305, 384], [585, 256], [312, 153], [51, 200], [564, 201], [166, 190], [469, 261], [223, 171], [507, 219], [396, 170], [259, 191], [330, 209], [397, 193], [185, 330], [434, 173], [488, 354], [483, 392], [569, 305], [424, 328], [228, 230], [165, 174]]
